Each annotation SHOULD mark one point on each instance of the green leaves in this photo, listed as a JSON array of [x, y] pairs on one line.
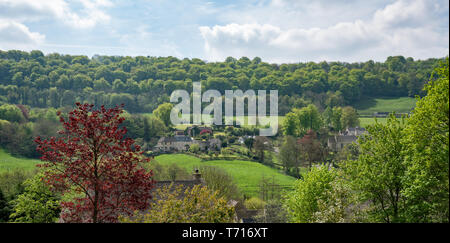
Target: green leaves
[[376, 175], [427, 153], [299, 121], [163, 113], [302, 203], [38, 204], [402, 173], [176, 204]]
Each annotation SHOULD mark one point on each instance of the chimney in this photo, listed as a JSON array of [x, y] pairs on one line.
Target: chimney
[[197, 175]]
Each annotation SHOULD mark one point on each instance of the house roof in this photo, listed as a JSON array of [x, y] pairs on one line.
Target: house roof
[[346, 138], [342, 139]]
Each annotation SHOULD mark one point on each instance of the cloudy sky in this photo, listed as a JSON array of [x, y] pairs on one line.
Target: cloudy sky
[[276, 30]]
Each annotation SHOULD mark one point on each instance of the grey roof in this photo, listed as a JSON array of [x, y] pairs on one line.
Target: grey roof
[[346, 138], [342, 139]]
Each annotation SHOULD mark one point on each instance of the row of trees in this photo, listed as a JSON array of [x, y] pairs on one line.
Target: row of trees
[[142, 83]]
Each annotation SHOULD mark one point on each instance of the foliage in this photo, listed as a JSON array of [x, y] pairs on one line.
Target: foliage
[[290, 155], [191, 205], [376, 174], [299, 121], [142, 83], [37, 204], [339, 205], [194, 148], [349, 117], [260, 146], [11, 113], [311, 149], [163, 113], [17, 139], [219, 180], [426, 181], [254, 203], [11, 181], [273, 212], [402, 170], [5, 209], [249, 143], [303, 202], [92, 156], [175, 172]]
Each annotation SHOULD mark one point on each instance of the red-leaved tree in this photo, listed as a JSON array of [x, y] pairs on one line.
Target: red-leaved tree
[[92, 161]]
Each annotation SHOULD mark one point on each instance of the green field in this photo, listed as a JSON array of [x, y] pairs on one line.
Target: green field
[[8, 162], [365, 121], [368, 105], [246, 174]]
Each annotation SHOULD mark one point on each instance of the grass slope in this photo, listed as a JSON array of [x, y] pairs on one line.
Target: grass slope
[[9, 162], [369, 105], [246, 174]]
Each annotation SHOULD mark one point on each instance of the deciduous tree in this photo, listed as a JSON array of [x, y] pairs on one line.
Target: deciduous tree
[[92, 159]]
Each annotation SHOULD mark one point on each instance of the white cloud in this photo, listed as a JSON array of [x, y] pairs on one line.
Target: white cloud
[[89, 15], [14, 35], [409, 28], [16, 16]]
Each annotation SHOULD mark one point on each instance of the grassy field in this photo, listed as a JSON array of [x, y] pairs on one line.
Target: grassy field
[[246, 174], [8, 162], [368, 105], [365, 121]]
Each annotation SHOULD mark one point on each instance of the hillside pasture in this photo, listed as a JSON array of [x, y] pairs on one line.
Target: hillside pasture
[[10, 163], [369, 105], [246, 174]]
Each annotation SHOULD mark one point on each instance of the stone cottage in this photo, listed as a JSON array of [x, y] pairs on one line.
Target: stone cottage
[[337, 142]]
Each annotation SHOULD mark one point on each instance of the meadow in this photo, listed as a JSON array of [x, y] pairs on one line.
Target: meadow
[[368, 105], [10, 163], [365, 121], [246, 174]]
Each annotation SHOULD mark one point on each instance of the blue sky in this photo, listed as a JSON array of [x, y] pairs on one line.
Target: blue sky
[[276, 30]]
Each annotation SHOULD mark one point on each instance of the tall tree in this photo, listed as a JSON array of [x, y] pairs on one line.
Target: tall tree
[[163, 113], [92, 159], [311, 148], [349, 117], [290, 155], [377, 174], [427, 155]]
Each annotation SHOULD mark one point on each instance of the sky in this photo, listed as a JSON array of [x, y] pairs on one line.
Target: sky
[[278, 31]]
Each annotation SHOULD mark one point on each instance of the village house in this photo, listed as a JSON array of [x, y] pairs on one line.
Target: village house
[[182, 143], [338, 142]]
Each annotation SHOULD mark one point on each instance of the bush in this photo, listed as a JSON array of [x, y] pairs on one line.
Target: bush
[[179, 205], [254, 203]]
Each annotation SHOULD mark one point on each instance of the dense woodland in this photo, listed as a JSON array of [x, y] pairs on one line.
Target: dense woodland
[[142, 83]]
